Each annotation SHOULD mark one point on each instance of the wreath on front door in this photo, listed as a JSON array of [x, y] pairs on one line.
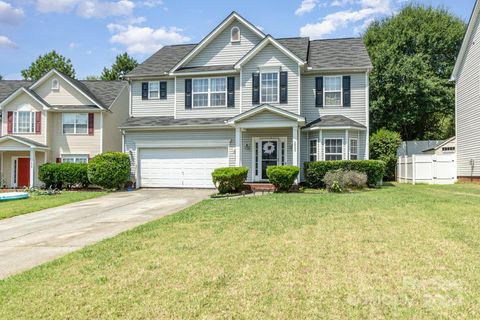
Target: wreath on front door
[[269, 148]]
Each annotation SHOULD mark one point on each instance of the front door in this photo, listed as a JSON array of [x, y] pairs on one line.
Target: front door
[[23, 172], [269, 156]]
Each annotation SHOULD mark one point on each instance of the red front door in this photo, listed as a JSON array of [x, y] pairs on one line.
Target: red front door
[[23, 172]]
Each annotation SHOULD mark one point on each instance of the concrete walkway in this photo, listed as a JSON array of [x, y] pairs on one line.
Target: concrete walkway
[[32, 239]]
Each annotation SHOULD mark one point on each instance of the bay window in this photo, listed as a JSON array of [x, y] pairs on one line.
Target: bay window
[[209, 92], [24, 122], [269, 87], [333, 91], [313, 150], [75, 123], [353, 149], [333, 149]]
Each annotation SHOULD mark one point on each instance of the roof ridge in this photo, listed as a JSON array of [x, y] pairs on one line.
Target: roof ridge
[[334, 39]]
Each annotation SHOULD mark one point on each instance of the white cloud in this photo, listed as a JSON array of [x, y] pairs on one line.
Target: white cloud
[[5, 42], [306, 6], [88, 8], [145, 40], [9, 14], [368, 9], [73, 45], [150, 3]]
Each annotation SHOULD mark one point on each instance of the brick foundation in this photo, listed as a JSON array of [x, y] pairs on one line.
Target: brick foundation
[[469, 179]]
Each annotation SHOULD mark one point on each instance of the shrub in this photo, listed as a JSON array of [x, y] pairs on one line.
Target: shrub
[[109, 170], [315, 171], [282, 177], [229, 180], [59, 175], [341, 180], [383, 146]]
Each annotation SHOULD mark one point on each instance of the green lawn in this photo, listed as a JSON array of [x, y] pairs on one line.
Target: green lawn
[[38, 202], [399, 252]]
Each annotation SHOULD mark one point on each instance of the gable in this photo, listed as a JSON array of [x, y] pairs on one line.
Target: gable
[[23, 102], [65, 95], [221, 51], [267, 116], [271, 56]]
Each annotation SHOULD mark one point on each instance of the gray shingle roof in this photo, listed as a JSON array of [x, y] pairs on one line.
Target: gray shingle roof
[[338, 53], [205, 68], [7, 87], [143, 122], [334, 121], [298, 46]]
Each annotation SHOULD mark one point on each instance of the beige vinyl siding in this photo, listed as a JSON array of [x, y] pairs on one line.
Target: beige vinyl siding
[[356, 112], [206, 112], [64, 144], [132, 138], [270, 56], [27, 103], [152, 107], [66, 95], [247, 138], [112, 137], [468, 110], [7, 164], [220, 51]]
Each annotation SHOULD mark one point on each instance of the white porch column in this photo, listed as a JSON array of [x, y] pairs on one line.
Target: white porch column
[[295, 145], [238, 147], [32, 167]]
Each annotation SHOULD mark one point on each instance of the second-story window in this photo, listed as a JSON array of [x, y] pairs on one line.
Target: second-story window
[[75, 123], [209, 92], [24, 122], [333, 91], [269, 87], [153, 90]]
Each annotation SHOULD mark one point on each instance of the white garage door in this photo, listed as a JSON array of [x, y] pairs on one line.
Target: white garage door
[[180, 167]]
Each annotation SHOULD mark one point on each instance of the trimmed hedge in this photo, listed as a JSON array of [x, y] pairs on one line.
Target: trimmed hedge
[[229, 180], [315, 171], [282, 177], [109, 170], [60, 175]]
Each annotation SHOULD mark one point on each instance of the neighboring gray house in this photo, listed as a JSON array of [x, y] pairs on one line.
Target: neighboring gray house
[[466, 75], [409, 148], [243, 98]]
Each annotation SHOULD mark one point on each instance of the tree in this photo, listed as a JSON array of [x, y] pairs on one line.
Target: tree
[[413, 55], [92, 77], [1, 77], [383, 146], [123, 65], [47, 62]]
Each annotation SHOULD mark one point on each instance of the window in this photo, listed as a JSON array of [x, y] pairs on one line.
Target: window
[[269, 87], [448, 149], [235, 34], [75, 123], [333, 149], [209, 92], [333, 91], [313, 150], [353, 149], [24, 122], [55, 84], [75, 159], [153, 90]]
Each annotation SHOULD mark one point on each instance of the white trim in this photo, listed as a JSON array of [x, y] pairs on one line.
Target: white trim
[[324, 146], [209, 92], [57, 86], [17, 92], [9, 137], [334, 128], [310, 148], [33, 164], [259, 125], [75, 157], [2, 173], [175, 97], [350, 148], [320, 139], [214, 33], [31, 124], [183, 144], [295, 146], [149, 91], [101, 130], [299, 90], [367, 116], [239, 35], [75, 124], [238, 147], [261, 108], [48, 74], [130, 103], [347, 146], [334, 91], [279, 140], [202, 73], [268, 40], [269, 71], [241, 91], [123, 140]]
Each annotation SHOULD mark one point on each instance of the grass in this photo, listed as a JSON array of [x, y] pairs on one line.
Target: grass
[[400, 252], [13, 208]]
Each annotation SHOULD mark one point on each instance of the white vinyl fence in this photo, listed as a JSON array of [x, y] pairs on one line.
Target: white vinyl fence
[[428, 168]]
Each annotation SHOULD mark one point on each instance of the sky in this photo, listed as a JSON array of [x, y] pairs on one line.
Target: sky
[[92, 32]]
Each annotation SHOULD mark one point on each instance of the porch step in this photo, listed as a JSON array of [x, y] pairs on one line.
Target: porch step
[[259, 186]]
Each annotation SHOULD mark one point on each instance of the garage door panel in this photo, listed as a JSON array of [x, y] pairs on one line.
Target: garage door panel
[[180, 167]]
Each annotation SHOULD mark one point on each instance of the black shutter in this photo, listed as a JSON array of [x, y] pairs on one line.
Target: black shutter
[[283, 87], [255, 88], [231, 92], [144, 90], [319, 92], [163, 90], [188, 93], [346, 91]]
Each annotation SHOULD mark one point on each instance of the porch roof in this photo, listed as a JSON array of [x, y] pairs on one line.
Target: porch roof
[[334, 122], [28, 143], [266, 107]]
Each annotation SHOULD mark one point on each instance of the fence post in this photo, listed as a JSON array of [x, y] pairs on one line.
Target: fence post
[[414, 170], [405, 176]]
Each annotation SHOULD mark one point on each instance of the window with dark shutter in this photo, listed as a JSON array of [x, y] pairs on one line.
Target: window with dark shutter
[[163, 90], [188, 93], [10, 122], [144, 90], [346, 91], [255, 88], [283, 87], [38, 122], [90, 124], [231, 92], [319, 92]]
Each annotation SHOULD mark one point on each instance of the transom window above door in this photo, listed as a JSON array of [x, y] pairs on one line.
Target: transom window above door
[[333, 91], [209, 92], [269, 87], [75, 123]]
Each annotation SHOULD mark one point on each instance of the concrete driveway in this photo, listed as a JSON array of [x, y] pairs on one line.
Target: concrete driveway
[[31, 239]]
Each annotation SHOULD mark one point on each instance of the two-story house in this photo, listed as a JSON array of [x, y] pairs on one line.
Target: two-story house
[[240, 97], [466, 75], [57, 119]]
